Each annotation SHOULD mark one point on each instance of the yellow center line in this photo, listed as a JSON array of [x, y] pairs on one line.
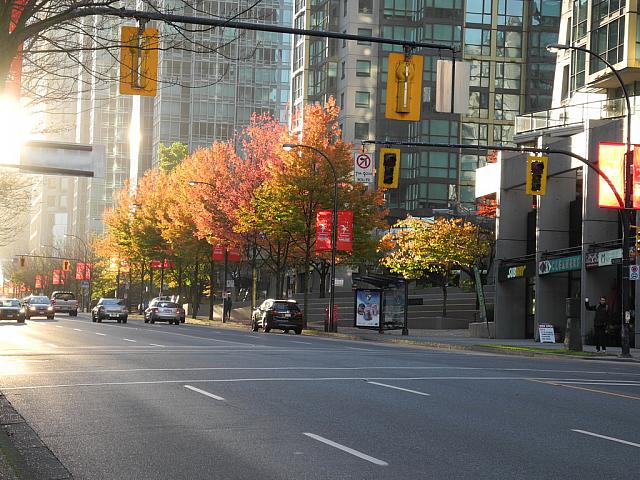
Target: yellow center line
[[593, 390]]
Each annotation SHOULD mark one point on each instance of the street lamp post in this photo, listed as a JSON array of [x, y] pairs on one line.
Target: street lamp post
[[626, 214], [87, 305], [334, 229]]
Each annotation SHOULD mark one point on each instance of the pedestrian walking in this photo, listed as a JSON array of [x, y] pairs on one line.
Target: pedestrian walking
[[227, 304], [599, 322]]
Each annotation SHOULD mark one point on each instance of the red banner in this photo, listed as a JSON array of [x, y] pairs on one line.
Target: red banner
[[217, 254], [636, 177], [344, 240], [14, 80], [87, 271], [38, 282], [323, 230], [611, 161], [156, 264], [80, 271], [57, 277], [234, 255]]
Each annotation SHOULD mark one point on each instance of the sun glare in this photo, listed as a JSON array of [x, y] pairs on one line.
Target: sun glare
[[15, 126]]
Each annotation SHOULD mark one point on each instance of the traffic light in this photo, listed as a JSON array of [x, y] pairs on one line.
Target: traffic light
[[139, 61], [389, 170], [66, 265], [536, 175], [404, 87], [23, 262]]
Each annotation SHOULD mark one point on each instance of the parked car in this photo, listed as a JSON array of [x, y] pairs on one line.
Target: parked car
[[163, 311], [279, 314], [37, 306], [11, 309], [110, 308], [65, 302]]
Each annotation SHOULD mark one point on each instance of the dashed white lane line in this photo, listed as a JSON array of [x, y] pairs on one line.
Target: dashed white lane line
[[398, 388], [77, 330], [101, 334], [156, 345], [129, 340], [302, 343], [215, 397], [58, 326], [52, 345], [624, 442], [346, 449]]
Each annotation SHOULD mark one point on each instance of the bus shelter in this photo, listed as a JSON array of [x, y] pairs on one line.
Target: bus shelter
[[381, 302]]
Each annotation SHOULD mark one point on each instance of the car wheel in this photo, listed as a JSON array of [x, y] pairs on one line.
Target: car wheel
[[75, 313], [298, 331], [50, 317], [21, 320], [285, 331], [93, 319], [151, 320], [124, 320], [119, 321], [254, 325], [182, 320], [267, 328], [99, 320], [146, 320]]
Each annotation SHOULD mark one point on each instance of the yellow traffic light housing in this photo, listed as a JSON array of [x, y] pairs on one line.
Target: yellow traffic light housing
[[536, 175], [389, 168], [23, 262], [66, 265], [404, 87], [139, 61]]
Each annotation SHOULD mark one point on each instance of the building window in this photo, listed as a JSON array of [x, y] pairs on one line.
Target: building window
[[365, 32], [361, 131], [509, 43], [580, 8], [601, 9], [479, 74], [363, 99], [297, 87], [343, 70], [477, 41], [344, 11], [365, 6], [344, 41], [508, 75], [506, 106], [342, 105], [565, 82], [607, 41], [578, 61], [363, 68], [400, 8], [478, 11], [510, 12]]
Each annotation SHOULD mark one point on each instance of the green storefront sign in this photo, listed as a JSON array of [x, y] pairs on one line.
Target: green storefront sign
[[562, 264]]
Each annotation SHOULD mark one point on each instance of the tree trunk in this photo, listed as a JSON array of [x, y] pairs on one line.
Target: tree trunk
[[141, 310], [444, 299]]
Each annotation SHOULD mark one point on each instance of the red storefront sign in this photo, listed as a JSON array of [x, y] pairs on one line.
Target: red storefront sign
[[344, 240], [611, 161], [323, 230]]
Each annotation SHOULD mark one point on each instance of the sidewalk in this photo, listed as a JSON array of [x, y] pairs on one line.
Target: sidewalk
[[450, 340]]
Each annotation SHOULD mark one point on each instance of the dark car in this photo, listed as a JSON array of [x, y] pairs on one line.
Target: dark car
[[37, 306], [110, 308], [11, 309], [163, 311], [277, 314]]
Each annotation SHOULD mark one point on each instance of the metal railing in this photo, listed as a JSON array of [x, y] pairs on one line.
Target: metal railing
[[569, 115]]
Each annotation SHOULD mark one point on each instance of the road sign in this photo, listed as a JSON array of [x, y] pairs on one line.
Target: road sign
[[84, 284], [634, 272], [363, 168], [231, 283]]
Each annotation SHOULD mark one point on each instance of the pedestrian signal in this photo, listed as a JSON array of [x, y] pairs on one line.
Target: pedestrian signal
[[404, 87], [536, 175], [389, 170], [139, 61]]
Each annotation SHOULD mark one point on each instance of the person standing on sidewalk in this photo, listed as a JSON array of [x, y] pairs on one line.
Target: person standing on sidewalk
[[599, 322]]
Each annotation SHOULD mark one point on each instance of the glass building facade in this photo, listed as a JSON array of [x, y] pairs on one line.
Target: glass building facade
[[511, 73]]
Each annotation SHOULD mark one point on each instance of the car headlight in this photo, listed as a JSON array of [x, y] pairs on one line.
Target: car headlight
[[32, 308], [22, 310], [49, 308]]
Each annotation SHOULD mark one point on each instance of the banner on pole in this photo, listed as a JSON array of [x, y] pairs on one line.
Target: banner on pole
[[344, 241], [38, 282], [80, 271], [323, 230]]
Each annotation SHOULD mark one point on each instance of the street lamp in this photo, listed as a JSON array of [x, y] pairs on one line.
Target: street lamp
[[628, 185], [87, 305], [193, 183], [334, 229]]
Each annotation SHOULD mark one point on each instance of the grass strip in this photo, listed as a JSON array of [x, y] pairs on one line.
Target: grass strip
[[552, 351]]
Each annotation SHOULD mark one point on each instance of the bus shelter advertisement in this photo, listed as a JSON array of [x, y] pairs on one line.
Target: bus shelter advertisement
[[367, 308]]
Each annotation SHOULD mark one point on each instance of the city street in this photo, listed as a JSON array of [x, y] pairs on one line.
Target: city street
[[141, 401]]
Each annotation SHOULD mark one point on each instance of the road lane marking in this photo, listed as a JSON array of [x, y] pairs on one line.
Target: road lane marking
[[302, 343], [77, 330], [101, 334], [215, 397], [58, 326], [557, 383], [53, 345], [157, 345], [346, 449], [624, 442], [129, 340], [623, 383], [398, 388], [259, 379]]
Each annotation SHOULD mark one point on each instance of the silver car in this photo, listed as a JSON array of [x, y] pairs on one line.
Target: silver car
[[164, 312], [38, 306], [110, 308]]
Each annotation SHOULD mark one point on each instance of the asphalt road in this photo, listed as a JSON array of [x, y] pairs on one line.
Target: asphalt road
[[140, 401]]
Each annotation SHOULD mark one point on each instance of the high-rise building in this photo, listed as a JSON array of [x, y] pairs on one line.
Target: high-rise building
[[511, 73]]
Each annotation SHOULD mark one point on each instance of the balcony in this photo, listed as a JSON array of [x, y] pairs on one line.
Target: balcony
[[570, 115]]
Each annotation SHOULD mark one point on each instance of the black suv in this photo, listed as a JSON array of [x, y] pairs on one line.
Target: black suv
[[281, 314]]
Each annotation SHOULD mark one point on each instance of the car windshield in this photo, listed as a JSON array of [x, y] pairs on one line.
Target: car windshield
[[285, 307], [64, 296], [39, 300], [112, 302], [168, 305], [9, 303]]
